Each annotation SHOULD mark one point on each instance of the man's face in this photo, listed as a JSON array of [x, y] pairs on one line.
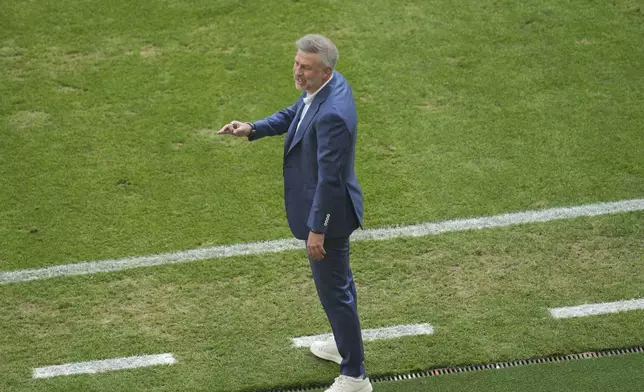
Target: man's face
[[309, 72]]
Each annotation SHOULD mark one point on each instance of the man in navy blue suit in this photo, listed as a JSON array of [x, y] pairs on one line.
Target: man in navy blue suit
[[322, 196]]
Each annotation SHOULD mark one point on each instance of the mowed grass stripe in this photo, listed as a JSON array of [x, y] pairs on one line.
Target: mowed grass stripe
[[369, 335], [281, 245], [484, 291], [597, 309], [104, 365]]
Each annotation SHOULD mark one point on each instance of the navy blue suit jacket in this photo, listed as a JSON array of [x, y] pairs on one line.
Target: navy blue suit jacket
[[321, 191]]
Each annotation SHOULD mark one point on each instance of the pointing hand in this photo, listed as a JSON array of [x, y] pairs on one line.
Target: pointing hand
[[235, 128]]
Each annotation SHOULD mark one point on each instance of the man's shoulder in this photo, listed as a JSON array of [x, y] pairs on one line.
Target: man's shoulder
[[339, 76], [339, 81], [335, 106], [334, 113], [339, 90]]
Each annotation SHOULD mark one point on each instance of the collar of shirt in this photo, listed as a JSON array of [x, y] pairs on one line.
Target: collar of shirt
[[309, 97]]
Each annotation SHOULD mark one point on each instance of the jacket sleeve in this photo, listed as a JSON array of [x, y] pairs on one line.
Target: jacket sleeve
[[275, 124], [334, 141]]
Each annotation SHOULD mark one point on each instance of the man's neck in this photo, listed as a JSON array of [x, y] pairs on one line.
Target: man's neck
[[312, 90], [316, 89]]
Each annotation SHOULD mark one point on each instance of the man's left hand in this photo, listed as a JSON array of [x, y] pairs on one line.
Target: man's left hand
[[315, 246]]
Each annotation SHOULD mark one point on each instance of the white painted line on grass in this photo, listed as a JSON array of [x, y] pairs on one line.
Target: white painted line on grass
[[509, 219], [105, 365], [595, 309], [92, 267], [369, 335], [111, 265]]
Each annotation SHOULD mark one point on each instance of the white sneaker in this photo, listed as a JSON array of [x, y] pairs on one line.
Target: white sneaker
[[326, 350], [350, 384]]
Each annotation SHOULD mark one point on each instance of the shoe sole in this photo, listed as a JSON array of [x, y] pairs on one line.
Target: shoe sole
[[328, 357]]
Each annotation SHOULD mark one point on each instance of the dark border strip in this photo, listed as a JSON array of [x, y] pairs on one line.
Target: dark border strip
[[470, 368]]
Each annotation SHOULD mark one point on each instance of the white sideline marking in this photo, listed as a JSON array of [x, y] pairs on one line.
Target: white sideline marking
[[595, 309], [369, 335], [104, 365], [92, 267]]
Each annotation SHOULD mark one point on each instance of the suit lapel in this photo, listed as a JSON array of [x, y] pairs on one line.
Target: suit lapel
[[291, 129], [304, 126], [293, 139]]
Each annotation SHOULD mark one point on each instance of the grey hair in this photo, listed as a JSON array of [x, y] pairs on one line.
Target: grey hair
[[315, 43]]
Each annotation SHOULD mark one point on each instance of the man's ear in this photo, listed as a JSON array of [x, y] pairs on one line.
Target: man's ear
[[327, 72]]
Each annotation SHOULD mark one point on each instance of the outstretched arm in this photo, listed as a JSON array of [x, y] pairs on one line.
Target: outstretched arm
[[273, 125]]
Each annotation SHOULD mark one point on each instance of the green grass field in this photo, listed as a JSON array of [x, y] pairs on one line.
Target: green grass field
[[108, 114]]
